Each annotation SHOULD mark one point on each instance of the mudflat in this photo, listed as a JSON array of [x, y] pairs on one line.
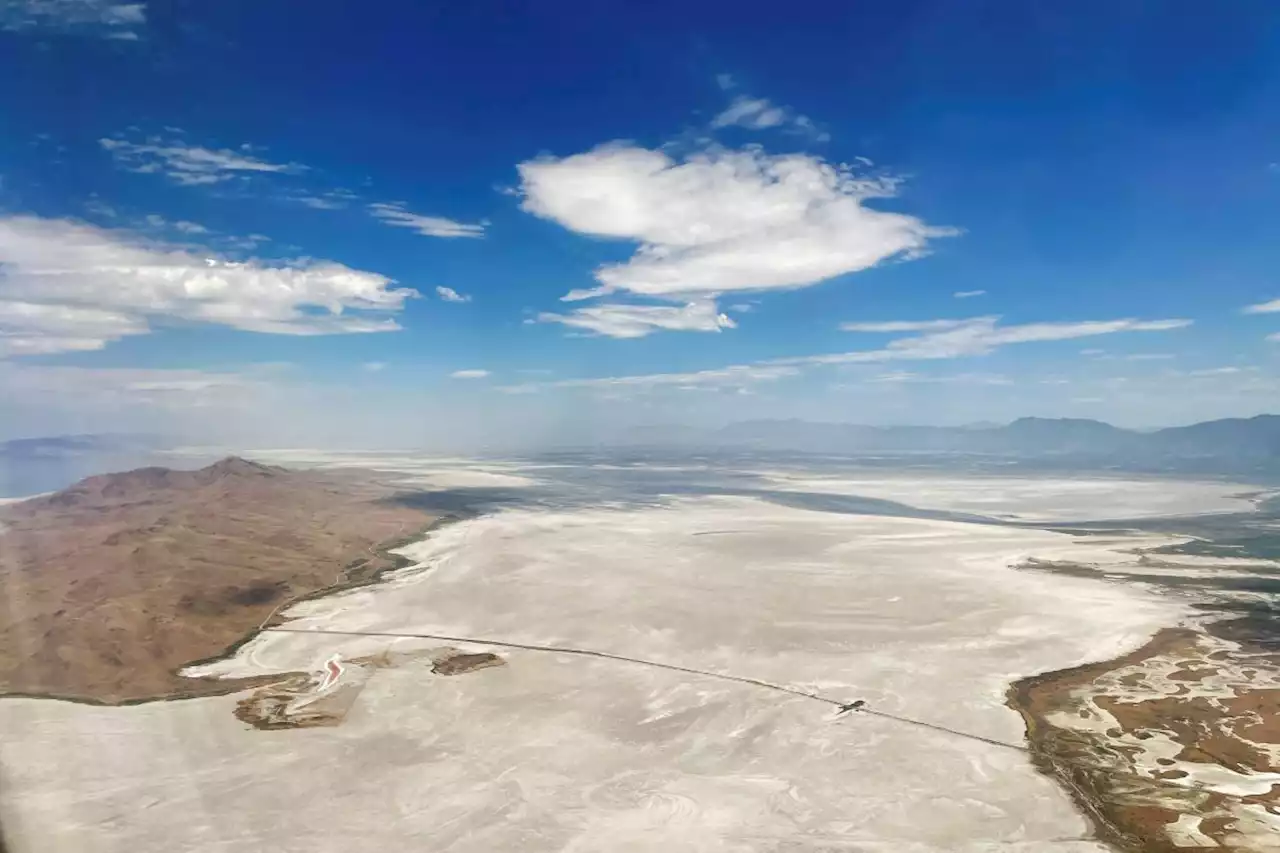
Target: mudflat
[[112, 585]]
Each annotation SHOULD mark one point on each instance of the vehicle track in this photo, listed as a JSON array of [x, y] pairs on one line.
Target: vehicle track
[[594, 653]]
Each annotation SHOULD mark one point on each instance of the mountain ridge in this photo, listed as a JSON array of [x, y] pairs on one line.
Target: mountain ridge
[[1231, 444]]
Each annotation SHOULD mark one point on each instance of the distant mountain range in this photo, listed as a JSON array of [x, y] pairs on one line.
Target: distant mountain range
[[64, 445], [1232, 445], [32, 465]]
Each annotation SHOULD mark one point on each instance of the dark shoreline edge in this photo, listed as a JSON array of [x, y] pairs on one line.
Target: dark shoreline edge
[[205, 687], [1047, 744]]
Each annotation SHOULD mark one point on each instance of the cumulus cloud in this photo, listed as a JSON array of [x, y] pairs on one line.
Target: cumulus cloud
[[721, 221], [968, 294], [983, 335], [190, 165], [1271, 307], [448, 294], [469, 374], [67, 286], [97, 17], [637, 321], [733, 376], [428, 226]]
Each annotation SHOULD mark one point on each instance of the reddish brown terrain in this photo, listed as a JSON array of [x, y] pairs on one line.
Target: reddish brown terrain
[[1174, 747], [112, 585]]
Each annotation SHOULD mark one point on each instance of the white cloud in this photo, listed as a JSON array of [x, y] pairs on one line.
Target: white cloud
[[637, 321], [968, 294], [101, 17], [903, 325], [720, 220], [1264, 307], [374, 366], [733, 376], [190, 165], [428, 226], [469, 374], [67, 286], [982, 335], [448, 294], [1274, 337], [725, 81]]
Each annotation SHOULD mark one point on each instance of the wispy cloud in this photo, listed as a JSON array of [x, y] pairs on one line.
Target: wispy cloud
[[328, 200], [637, 321], [734, 376], [66, 286], [1271, 307], [448, 294], [908, 377], [469, 374], [374, 366], [902, 325], [954, 339], [762, 114], [968, 294], [983, 335], [191, 165], [394, 213], [103, 18], [182, 226], [1218, 371]]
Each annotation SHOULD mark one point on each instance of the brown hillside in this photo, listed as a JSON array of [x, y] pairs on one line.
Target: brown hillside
[[111, 585]]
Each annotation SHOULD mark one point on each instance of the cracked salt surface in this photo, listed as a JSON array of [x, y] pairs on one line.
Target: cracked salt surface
[[922, 618]]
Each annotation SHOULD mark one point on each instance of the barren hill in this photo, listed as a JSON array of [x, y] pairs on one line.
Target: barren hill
[[111, 585]]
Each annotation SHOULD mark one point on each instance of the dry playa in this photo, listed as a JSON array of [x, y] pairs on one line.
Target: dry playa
[[552, 752]]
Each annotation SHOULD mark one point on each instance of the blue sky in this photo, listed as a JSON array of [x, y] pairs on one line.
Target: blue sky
[[408, 222]]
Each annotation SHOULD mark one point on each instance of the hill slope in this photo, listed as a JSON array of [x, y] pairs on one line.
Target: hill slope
[[112, 584]]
